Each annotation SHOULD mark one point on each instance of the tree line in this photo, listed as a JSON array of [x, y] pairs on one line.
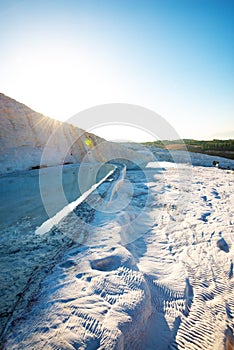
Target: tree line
[[217, 145]]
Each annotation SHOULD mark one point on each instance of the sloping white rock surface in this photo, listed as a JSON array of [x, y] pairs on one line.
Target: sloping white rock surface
[[29, 139], [156, 274]]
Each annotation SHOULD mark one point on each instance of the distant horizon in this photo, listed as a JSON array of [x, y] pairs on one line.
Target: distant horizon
[[107, 131]]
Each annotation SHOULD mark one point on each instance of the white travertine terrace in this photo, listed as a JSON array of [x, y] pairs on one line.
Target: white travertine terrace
[[29, 139]]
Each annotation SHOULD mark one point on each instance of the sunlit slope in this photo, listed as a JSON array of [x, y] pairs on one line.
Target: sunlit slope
[[30, 140]]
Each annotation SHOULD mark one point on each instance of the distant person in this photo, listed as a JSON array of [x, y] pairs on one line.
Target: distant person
[[216, 163]]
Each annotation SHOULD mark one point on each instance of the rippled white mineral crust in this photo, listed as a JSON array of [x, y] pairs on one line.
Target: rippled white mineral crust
[[169, 287]]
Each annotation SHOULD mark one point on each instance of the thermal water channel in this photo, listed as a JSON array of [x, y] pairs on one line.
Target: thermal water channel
[[37, 195]]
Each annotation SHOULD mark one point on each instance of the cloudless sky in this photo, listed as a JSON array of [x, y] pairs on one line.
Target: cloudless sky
[[175, 57]]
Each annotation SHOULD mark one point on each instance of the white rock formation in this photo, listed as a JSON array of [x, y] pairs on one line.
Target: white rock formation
[[29, 139]]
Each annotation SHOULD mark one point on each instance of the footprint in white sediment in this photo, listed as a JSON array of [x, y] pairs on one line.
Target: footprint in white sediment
[[215, 194], [205, 216], [222, 244]]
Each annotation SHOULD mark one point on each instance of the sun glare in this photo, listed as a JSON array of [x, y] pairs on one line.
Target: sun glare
[[58, 82], [123, 133]]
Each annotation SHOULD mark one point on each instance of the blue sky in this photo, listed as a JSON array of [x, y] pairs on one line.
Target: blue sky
[[175, 57]]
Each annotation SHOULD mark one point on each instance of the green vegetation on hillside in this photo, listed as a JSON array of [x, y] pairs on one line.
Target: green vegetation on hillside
[[222, 148]]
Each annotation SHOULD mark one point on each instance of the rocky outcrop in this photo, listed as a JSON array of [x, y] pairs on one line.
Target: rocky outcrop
[[29, 140]]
